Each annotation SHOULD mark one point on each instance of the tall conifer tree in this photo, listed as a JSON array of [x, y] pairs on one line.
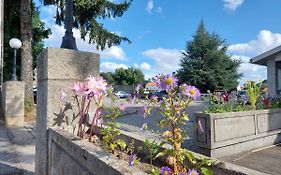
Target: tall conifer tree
[[206, 64]]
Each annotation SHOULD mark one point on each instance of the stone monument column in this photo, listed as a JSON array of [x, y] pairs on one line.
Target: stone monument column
[[13, 103], [58, 69]]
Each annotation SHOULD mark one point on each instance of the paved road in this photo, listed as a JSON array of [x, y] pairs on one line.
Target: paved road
[[17, 151], [267, 160]]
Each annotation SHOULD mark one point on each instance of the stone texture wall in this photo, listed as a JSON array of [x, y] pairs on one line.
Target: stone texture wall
[[13, 103], [230, 133], [58, 69], [71, 156]]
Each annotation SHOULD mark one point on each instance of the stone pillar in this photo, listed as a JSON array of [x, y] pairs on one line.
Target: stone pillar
[[271, 77], [13, 103], [57, 69]]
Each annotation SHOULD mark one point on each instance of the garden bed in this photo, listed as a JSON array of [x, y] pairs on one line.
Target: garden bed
[[222, 134]]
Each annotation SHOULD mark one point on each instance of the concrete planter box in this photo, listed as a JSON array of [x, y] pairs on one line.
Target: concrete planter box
[[70, 155], [234, 132]]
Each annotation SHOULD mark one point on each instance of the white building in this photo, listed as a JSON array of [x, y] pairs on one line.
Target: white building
[[271, 59]]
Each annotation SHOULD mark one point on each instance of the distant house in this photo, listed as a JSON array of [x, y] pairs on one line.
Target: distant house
[[152, 86], [271, 59]]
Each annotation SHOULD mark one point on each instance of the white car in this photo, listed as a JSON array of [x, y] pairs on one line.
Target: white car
[[122, 94]]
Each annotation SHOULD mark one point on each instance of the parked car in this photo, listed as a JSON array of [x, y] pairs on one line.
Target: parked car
[[122, 94], [158, 94], [242, 97], [221, 95]]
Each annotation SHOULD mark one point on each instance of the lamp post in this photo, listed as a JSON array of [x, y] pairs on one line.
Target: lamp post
[[68, 41], [15, 44]]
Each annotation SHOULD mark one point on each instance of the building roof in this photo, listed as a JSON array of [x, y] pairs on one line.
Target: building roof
[[151, 84], [262, 58]]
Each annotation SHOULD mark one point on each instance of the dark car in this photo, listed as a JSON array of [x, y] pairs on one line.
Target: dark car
[[158, 94]]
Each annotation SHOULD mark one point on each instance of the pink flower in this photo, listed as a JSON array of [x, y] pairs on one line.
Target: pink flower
[[122, 107], [192, 172], [62, 95], [193, 92], [98, 84], [77, 88], [166, 82], [138, 88]]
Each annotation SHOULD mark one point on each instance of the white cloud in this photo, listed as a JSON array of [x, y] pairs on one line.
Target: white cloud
[[149, 6], [111, 67], [143, 66], [55, 39], [232, 4], [166, 60], [265, 41], [250, 71], [114, 51]]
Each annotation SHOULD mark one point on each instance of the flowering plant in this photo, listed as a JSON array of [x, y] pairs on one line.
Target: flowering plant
[[173, 109]]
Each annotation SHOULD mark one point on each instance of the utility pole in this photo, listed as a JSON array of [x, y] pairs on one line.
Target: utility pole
[[1, 41]]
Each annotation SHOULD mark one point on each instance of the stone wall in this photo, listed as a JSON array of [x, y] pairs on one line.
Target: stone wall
[[69, 155], [58, 69], [230, 133], [82, 157]]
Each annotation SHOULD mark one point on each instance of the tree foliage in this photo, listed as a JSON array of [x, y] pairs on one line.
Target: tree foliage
[[206, 64], [12, 30], [86, 13], [123, 76], [108, 76]]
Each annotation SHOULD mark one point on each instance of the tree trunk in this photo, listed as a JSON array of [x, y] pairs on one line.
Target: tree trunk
[[26, 50]]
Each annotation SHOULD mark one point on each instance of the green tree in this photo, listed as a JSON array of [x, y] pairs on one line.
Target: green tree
[[12, 30], [26, 49], [85, 14], [128, 76], [108, 76], [206, 64]]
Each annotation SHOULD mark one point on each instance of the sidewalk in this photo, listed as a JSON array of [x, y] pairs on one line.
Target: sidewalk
[[17, 151]]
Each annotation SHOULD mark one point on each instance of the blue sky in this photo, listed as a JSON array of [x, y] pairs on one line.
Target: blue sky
[[159, 30]]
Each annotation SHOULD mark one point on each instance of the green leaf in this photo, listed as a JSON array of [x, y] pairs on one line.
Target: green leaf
[[121, 143], [206, 171]]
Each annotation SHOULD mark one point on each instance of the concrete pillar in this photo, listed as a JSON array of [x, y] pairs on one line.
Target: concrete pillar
[[57, 69], [271, 77], [13, 103]]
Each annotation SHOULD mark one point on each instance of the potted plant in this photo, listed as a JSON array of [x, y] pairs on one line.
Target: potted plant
[[228, 128]]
